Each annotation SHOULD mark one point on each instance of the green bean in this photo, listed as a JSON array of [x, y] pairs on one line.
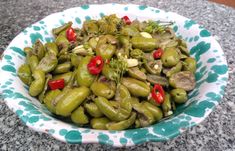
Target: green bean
[[144, 115], [84, 78], [48, 63], [105, 107], [170, 57], [71, 100], [166, 105], [63, 43], [106, 46], [37, 85], [51, 48], [64, 58], [33, 62], [62, 68], [79, 117], [153, 66], [25, 74], [174, 69], [179, 95], [108, 110], [108, 72], [122, 93], [99, 123], [66, 76], [93, 43], [122, 124], [75, 60], [93, 110], [42, 94], [156, 111], [156, 79], [136, 87], [38, 49], [189, 64], [137, 123], [49, 98], [129, 31], [90, 27], [145, 44], [101, 89], [124, 40], [134, 72], [58, 30]]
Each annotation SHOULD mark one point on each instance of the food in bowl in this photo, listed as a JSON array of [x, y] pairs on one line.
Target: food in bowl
[[112, 73]]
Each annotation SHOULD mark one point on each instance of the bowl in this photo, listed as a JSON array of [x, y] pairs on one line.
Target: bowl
[[211, 78]]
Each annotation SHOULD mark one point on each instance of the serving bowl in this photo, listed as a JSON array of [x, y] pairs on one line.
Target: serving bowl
[[211, 78]]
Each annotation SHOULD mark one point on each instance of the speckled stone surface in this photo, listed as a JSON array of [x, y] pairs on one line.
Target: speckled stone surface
[[217, 132]]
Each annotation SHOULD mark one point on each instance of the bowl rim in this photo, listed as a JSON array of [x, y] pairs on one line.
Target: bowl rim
[[137, 140]]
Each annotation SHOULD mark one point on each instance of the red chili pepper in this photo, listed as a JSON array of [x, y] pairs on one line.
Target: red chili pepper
[[71, 35], [126, 20], [158, 53], [56, 84], [159, 95], [95, 65]]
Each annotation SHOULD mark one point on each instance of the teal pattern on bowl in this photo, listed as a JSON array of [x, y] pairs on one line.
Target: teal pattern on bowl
[[211, 76]]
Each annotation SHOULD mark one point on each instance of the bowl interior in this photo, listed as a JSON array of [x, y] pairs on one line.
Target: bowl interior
[[211, 77]]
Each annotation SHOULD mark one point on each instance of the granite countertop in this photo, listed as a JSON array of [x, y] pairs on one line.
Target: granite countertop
[[217, 132]]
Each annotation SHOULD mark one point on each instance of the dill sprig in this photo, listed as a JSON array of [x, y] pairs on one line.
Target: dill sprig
[[157, 26], [119, 66]]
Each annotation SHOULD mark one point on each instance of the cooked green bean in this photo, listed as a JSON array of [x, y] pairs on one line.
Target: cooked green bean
[[93, 110], [79, 117], [62, 68], [71, 100], [37, 85], [99, 123], [25, 74]]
